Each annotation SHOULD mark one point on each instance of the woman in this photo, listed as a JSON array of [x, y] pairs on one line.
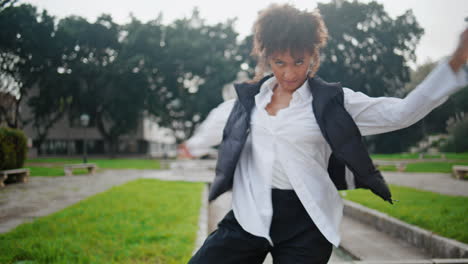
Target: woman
[[276, 149]]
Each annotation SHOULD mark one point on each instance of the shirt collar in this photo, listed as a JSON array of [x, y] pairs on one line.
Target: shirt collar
[[303, 91], [266, 91]]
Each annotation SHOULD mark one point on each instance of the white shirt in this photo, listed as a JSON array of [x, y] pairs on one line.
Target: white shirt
[[289, 151]]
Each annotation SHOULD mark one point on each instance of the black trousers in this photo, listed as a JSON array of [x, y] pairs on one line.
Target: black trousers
[[295, 237]]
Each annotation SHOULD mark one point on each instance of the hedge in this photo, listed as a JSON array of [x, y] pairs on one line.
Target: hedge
[[13, 148]]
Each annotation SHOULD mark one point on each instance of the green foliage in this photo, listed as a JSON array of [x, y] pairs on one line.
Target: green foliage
[[368, 51], [458, 140], [396, 141], [6, 3], [433, 123], [134, 223], [13, 148], [442, 214], [198, 60]]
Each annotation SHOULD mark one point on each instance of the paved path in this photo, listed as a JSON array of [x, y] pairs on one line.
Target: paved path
[[367, 243], [435, 182]]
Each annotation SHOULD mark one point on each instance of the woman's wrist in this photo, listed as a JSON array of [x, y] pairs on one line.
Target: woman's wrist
[[460, 55], [456, 62], [183, 151]]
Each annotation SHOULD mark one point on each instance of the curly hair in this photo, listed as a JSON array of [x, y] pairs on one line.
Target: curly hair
[[282, 28]]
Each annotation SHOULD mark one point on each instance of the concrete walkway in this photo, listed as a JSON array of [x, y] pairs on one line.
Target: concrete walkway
[[442, 183], [367, 243]]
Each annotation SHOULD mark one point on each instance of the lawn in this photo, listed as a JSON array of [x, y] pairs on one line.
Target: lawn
[[144, 221], [443, 167], [425, 165], [450, 156], [54, 166], [443, 214], [395, 156]]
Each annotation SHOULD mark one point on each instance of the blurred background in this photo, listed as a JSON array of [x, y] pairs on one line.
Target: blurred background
[[146, 73], [124, 82]]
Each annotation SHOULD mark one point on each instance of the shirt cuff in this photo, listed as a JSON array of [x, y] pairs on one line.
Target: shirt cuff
[[444, 77], [195, 150]]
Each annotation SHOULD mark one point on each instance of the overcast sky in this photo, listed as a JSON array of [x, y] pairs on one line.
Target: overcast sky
[[442, 20]]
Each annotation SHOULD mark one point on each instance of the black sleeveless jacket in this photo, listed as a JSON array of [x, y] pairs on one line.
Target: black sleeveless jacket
[[336, 125]]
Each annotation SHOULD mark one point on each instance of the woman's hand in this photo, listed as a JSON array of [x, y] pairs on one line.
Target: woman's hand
[[183, 152], [460, 56]]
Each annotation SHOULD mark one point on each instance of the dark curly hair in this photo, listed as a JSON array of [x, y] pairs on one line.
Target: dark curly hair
[[282, 28]]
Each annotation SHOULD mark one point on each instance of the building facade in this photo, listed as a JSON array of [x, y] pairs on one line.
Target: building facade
[[67, 138]]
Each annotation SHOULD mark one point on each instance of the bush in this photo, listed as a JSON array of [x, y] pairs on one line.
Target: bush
[[458, 139], [13, 148]]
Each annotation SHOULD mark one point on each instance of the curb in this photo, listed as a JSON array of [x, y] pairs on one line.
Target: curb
[[411, 261], [202, 232], [436, 246]]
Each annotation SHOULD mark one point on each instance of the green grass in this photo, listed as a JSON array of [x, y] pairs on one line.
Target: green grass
[[54, 166], [395, 156], [459, 156], [144, 221], [456, 156], [387, 168], [443, 214], [53, 171], [444, 167]]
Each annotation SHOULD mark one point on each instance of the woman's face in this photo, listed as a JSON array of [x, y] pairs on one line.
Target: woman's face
[[291, 72]]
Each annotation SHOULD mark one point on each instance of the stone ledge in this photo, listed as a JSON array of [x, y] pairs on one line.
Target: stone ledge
[[202, 232], [436, 246]]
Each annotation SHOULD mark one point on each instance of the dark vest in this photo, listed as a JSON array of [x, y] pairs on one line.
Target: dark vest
[[336, 125]]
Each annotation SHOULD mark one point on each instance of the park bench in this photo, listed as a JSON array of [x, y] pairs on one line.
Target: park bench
[[68, 168], [15, 175], [400, 165], [460, 171]]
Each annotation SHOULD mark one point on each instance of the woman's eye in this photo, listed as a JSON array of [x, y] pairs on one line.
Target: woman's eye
[[279, 63], [299, 62]]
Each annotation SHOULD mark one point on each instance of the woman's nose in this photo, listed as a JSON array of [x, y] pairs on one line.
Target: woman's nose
[[289, 74]]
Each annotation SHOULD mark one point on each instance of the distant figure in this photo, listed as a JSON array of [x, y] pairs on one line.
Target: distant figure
[[290, 141]]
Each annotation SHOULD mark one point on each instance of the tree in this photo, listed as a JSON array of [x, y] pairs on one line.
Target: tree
[[367, 50], [6, 3], [434, 123], [457, 127], [197, 60], [27, 49], [104, 80], [29, 56]]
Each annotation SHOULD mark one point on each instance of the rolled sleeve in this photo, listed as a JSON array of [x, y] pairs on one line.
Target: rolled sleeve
[[210, 131]]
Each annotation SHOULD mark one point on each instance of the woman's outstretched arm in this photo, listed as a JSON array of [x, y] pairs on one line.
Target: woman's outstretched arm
[[375, 115], [209, 133]]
